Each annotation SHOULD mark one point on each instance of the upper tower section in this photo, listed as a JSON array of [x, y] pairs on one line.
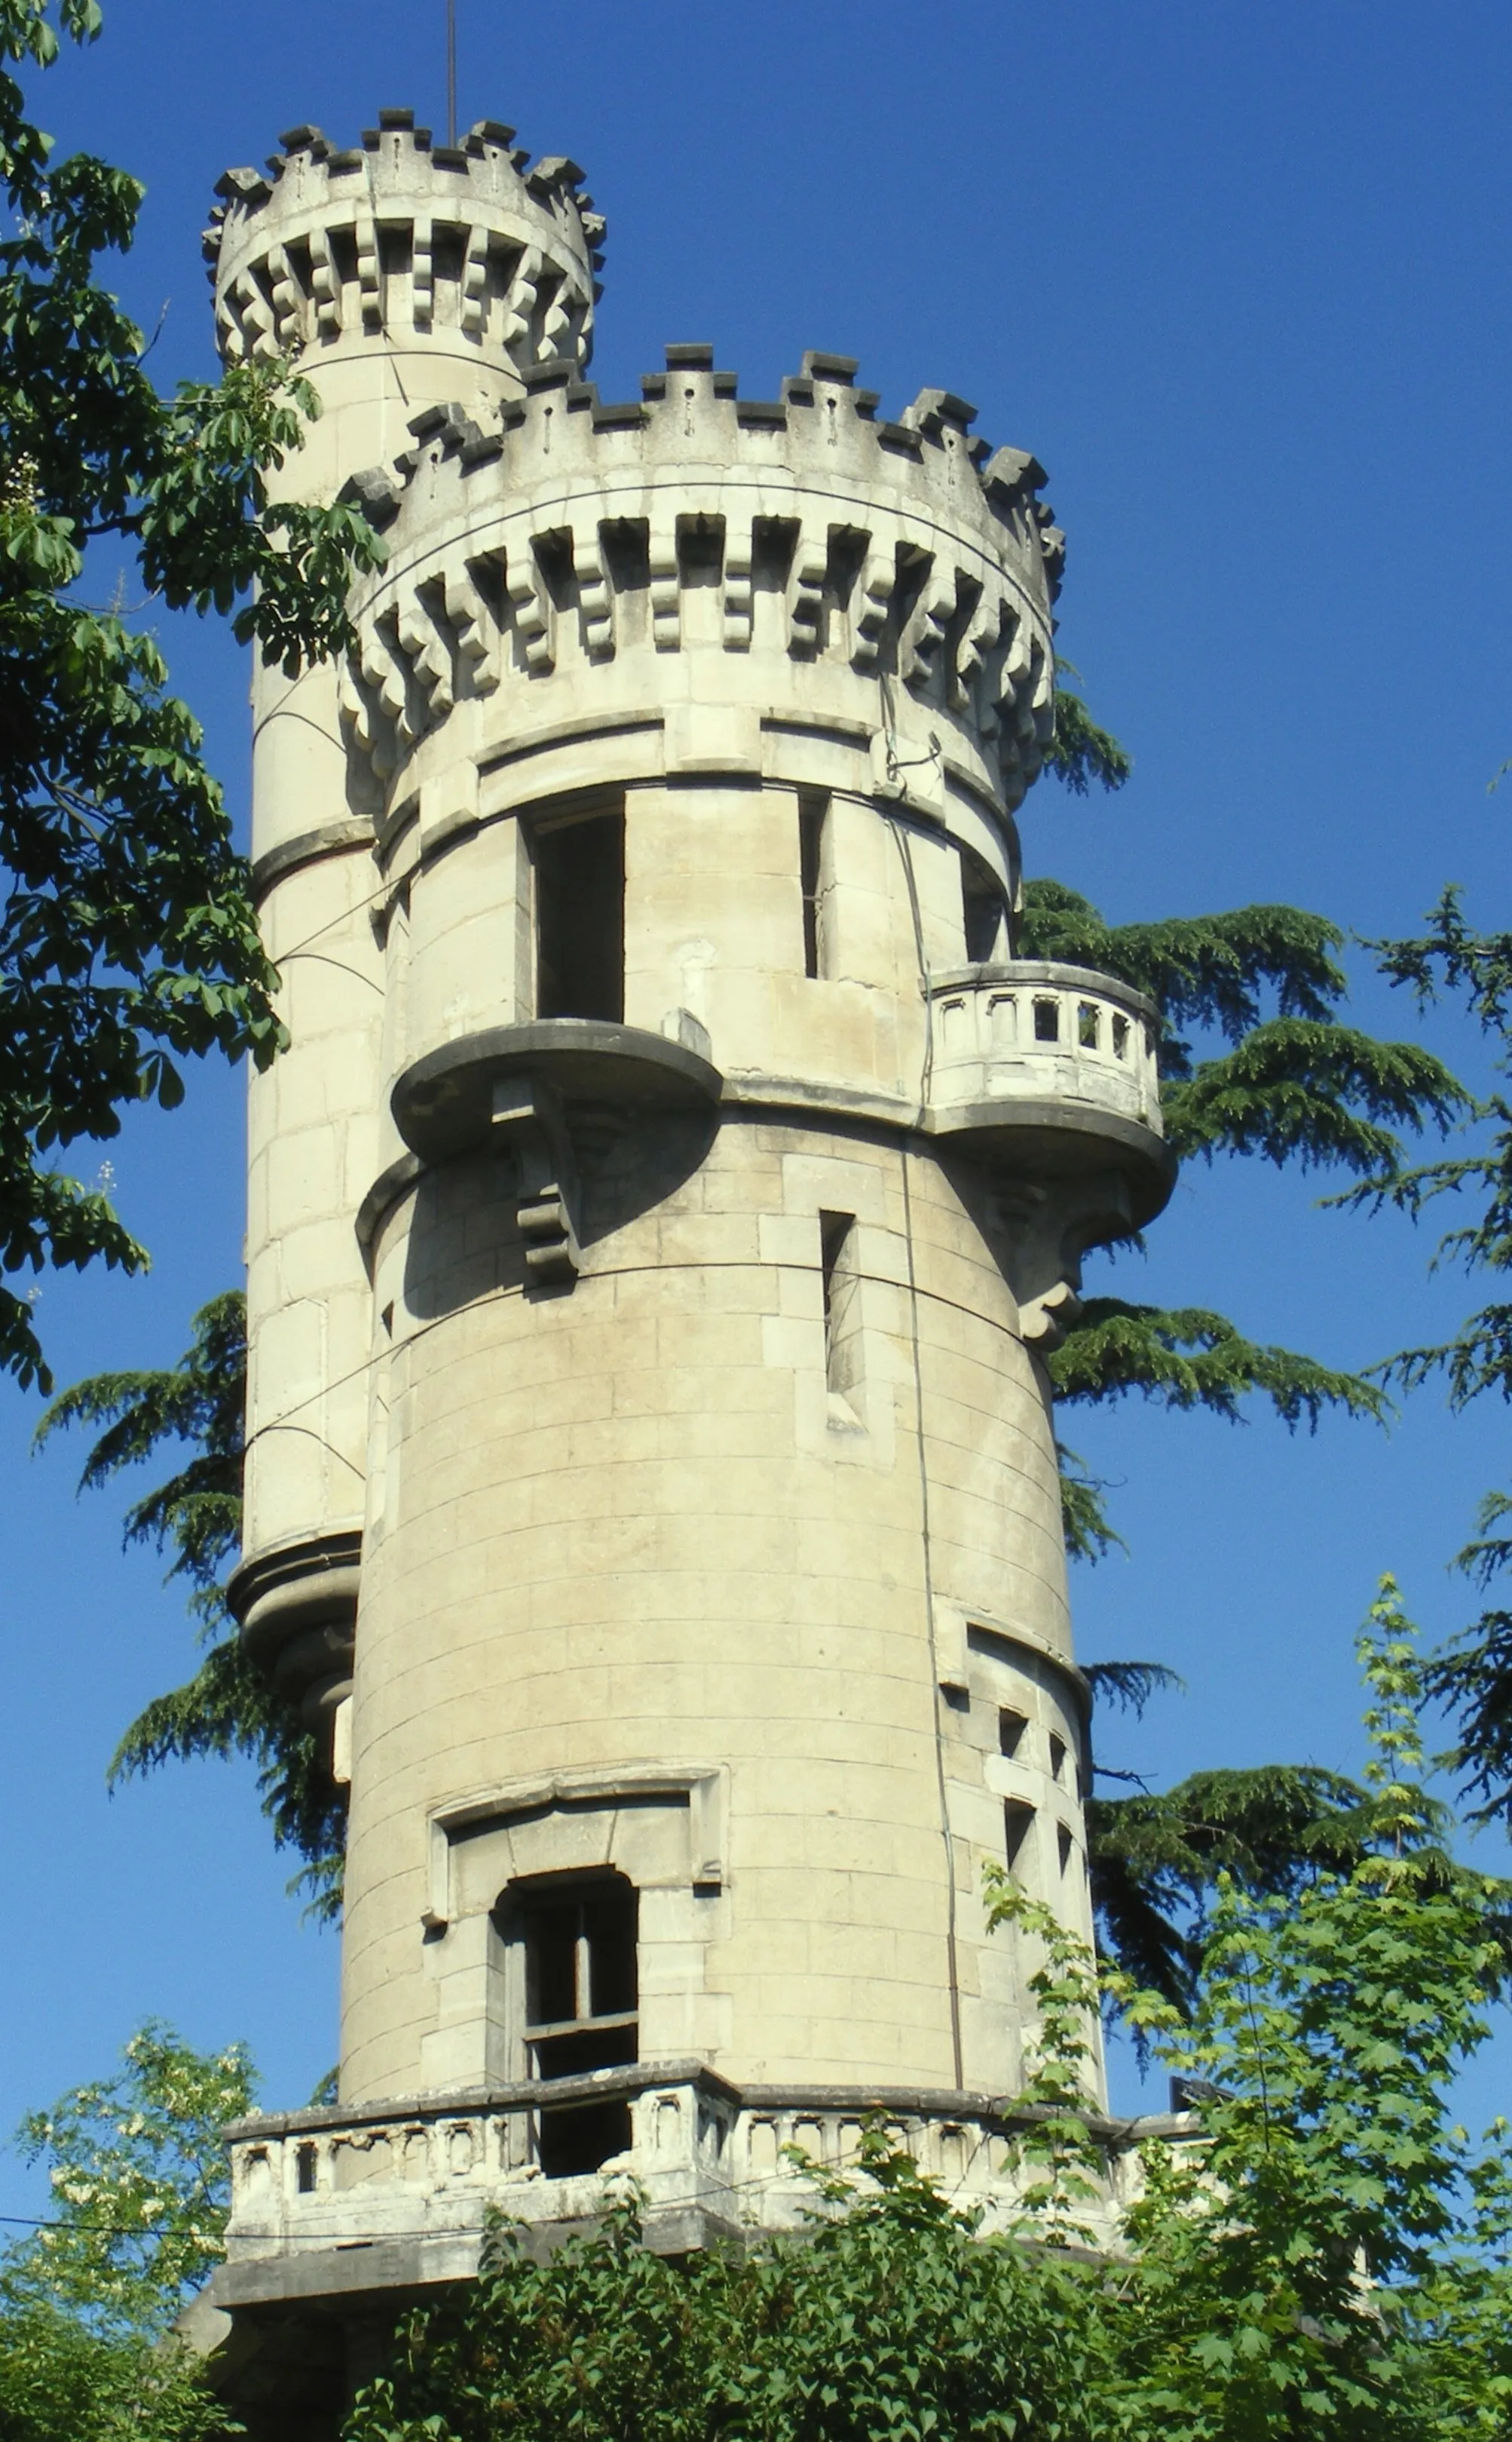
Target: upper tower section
[[802, 561], [402, 269]]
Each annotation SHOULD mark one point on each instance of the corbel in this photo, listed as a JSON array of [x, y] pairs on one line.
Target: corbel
[[529, 1125]]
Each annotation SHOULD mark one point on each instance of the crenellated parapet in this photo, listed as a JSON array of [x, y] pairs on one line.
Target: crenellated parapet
[[406, 242], [906, 566]]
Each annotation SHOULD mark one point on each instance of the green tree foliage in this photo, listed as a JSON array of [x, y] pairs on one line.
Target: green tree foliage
[[227, 1707], [1080, 750], [127, 939], [1295, 1086], [139, 2192], [1287, 1080], [62, 2382], [1473, 1674], [136, 2168], [1330, 2260]]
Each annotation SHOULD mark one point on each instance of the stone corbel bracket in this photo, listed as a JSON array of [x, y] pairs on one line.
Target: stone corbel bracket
[[1051, 1224], [529, 1125], [523, 1088], [296, 1609]]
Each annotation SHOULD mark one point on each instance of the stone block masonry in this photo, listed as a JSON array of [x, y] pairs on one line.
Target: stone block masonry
[[656, 1229]]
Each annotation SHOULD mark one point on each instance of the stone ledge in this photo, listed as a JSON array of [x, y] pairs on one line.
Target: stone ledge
[[443, 1105]]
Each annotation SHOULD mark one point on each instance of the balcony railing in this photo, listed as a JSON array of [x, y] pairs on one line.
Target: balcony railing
[[397, 2195], [1030, 1032]]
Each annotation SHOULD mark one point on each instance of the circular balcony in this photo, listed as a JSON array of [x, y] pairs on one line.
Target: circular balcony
[[446, 1103], [1057, 1065]]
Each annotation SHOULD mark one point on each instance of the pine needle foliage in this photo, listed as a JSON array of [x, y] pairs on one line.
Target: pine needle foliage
[[1194, 1358], [1156, 1860], [1295, 1086], [227, 1707], [1081, 751], [1472, 1673]]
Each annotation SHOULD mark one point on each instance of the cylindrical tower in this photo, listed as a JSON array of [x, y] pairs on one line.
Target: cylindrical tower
[[395, 274], [719, 1174]]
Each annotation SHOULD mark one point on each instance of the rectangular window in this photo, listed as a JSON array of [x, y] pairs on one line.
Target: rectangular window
[[1057, 1757], [1018, 1822], [579, 890], [1011, 1729], [817, 881], [581, 2012], [842, 1306], [984, 912]]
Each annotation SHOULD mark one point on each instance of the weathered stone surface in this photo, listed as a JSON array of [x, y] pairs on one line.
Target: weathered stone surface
[[654, 1230]]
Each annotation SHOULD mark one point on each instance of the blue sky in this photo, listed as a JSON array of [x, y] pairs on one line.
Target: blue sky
[[1240, 277]]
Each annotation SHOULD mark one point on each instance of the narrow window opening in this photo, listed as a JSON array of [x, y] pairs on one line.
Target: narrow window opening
[[1120, 1037], [701, 550], [984, 911], [813, 866], [554, 557], [1018, 1821], [579, 908], [1011, 1729], [1087, 1025], [842, 1306], [581, 2012], [304, 2165], [1057, 1757], [1064, 1843], [1046, 1021]]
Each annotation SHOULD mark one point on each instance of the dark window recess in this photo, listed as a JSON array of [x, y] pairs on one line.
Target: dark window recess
[[1011, 1729], [813, 814], [1057, 1757], [304, 2160], [984, 911], [579, 884], [1018, 1821], [1063, 1834], [839, 1284], [581, 1997], [1046, 1021]]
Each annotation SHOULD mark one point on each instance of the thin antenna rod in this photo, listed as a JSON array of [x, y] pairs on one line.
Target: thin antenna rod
[[451, 71]]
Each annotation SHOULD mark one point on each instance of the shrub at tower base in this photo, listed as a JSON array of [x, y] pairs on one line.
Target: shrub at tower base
[[1331, 2260]]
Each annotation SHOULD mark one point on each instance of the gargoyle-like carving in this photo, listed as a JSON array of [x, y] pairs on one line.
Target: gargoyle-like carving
[[1051, 1223]]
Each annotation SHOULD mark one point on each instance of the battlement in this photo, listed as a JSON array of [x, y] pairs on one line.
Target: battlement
[[400, 237], [579, 530]]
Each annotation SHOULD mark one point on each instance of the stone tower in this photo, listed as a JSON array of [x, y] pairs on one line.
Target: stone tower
[[656, 1227]]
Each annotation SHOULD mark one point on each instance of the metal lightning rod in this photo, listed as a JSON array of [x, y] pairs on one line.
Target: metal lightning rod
[[451, 71]]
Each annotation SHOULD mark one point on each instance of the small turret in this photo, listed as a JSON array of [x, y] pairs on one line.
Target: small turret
[[423, 247]]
